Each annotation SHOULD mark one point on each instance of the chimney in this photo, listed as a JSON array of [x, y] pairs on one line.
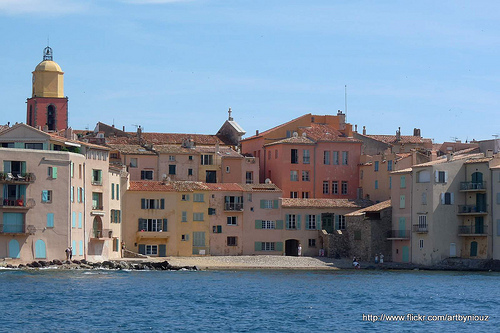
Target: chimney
[[256, 132], [124, 128], [45, 128], [489, 153], [341, 120], [364, 130], [416, 132], [139, 132], [356, 128], [217, 147], [398, 134]]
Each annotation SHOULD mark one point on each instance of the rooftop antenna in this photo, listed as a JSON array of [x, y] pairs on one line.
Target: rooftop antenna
[[345, 99], [495, 136]]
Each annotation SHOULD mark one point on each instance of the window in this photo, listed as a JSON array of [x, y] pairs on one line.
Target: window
[[276, 153], [115, 217], [294, 176], [447, 198], [402, 182], [185, 197], [311, 222], [207, 159], [389, 165], [306, 158], [197, 216], [38, 146], [312, 242], [305, 195], [294, 157], [47, 196], [50, 220], [421, 243], [326, 187], [424, 198], [376, 166], [288, 134], [97, 201], [294, 194], [190, 157], [441, 176], [228, 169], [151, 250], [249, 197], [133, 162], [402, 201], [171, 169], [249, 177], [147, 174], [112, 191], [335, 187], [153, 225], [231, 220], [268, 204], [96, 177], [423, 176], [422, 222], [345, 155], [211, 211], [336, 158], [198, 197], [291, 221], [171, 158], [185, 237], [267, 246], [190, 172], [342, 224], [326, 157], [232, 241], [376, 184], [184, 217], [233, 202], [217, 229], [52, 172], [268, 224], [344, 187], [305, 176], [152, 203]]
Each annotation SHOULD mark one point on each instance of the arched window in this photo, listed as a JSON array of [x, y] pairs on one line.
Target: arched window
[[51, 117]]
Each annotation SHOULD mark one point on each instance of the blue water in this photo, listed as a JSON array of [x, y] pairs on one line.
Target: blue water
[[243, 301]]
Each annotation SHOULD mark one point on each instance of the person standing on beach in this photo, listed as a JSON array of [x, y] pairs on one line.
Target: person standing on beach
[[299, 250], [68, 251]]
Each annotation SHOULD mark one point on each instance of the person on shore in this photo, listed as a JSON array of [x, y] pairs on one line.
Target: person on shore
[[299, 250], [355, 263], [68, 251]]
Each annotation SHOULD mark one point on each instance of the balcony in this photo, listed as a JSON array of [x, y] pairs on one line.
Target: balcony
[[229, 206], [473, 230], [97, 207], [13, 229], [398, 234], [473, 187], [17, 178], [152, 234], [17, 203], [101, 234], [420, 229], [471, 210]]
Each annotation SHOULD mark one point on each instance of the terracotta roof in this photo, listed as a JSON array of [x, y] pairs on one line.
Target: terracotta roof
[[61, 139], [177, 186], [174, 149], [276, 127], [400, 156], [223, 151], [293, 140], [130, 149], [325, 203], [478, 160], [322, 132], [404, 139], [407, 170], [224, 187], [260, 187], [178, 138], [373, 208], [123, 141], [3, 127]]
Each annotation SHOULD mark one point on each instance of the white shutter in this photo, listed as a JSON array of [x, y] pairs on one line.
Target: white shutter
[[442, 198], [452, 198], [446, 178], [436, 176]]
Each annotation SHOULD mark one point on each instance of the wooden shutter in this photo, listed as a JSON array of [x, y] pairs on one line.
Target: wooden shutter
[[73, 220], [162, 203], [50, 220], [318, 222], [278, 246], [262, 204], [162, 250], [436, 176], [80, 220], [117, 192], [23, 168], [258, 224], [6, 166], [442, 198], [336, 222], [275, 204], [298, 221], [112, 191], [219, 229], [279, 224], [287, 219], [258, 246], [143, 203], [72, 194], [54, 172], [142, 248], [452, 198], [165, 222], [142, 224], [45, 195]]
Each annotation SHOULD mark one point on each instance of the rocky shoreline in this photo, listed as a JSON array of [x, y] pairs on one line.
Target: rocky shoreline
[[109, 264]]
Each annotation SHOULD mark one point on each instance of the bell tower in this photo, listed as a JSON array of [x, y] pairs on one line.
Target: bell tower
[[47, 108]]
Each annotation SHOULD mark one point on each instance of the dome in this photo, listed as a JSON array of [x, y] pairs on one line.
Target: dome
[[48, 66]]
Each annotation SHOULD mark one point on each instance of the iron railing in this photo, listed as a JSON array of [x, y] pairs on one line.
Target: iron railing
[[403, 234]]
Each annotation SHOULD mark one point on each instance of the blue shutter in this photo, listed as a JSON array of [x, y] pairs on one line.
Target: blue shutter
[[162, 203], [279, 246], [306, 221], [142, 249], [258, 224], [287, 219], [143, 203], [298, 222], [279, 224], [45, 196], [258, 246], [162, 250], [78, 196], [80, 248], [40, 252], [318, 222], [336, 222], [79, 220], [22, 192], [23, 168], [73, 245], [143, 224], [50, 220], [6, 166], [165, 224], [73, 220], [72, 194]]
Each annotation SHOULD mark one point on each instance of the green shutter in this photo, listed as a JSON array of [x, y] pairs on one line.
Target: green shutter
[[6, 166], [142, 248], [23, 168], [258, 246], [162, 203], [165, 224], [117, 192], [318, 222], [50, 220], [287, 219], [143, 203], [275, 204], [262, 204], [258, 224], [22, 192], [336, 222], [112, 191], [279, 224], [54, 172], [298, 221], [45, 195], [279, 246], [219, 229]]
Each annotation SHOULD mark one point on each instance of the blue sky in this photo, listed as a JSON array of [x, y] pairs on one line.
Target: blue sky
[[177, 66]]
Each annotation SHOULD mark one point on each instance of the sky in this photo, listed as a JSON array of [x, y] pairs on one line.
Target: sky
[[178, 65]]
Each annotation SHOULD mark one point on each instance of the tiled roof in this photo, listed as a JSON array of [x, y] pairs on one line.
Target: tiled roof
[[223, 151], [174, 149], [404, 139], [373, 208], [322, 132], [130, 149], [178, 138], [324, 203], [407, 170], [224, 187], [123, 141], [276, 127], [478, 160], [293, 140], [61, 139], [260, 187], [177, 186], [400, 156]]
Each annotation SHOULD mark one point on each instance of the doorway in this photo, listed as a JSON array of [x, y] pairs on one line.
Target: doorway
[[291, 247]]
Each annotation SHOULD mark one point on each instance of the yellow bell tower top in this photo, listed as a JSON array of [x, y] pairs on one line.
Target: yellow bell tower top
[[48, 78]]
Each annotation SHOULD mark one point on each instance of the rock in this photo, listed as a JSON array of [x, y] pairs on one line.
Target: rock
[[83, 266], [9, 266], [85, 262], [57, 262], [21, 266], [43, 263], [78, 262], [108, 264]]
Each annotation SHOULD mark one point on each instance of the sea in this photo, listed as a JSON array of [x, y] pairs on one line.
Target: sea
[[248, 301]]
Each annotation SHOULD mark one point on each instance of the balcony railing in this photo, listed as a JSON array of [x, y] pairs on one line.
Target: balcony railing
[[17, 177], [233, 206], [471, 209], [97, 206], [472, 186], [101, 233], [480, 229], [419, 228], [17, 203], [398, 234], [12, 229], [96, 181]]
